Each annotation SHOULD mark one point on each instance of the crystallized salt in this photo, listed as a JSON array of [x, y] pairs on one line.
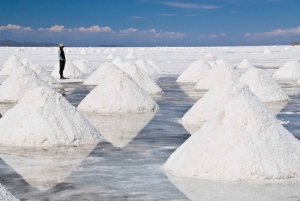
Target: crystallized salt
[[45, 76], [146, 67], [44, 117], [10, 65], [83, 66], [195, 72], [154, 65], [70, 71], [290, 70]]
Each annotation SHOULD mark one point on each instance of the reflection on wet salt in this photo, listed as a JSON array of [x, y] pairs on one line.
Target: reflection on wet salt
[[44, 168], [198, 189], [119, 129]]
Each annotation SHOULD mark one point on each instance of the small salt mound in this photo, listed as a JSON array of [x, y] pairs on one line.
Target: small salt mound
[[290, 70], [44, 117], [70, 71], [26, 62], [118, 61], [263, 86], [195, 72], [209, 55], [243, 142], [105, 70], [218, 74], [83, 66], [118, 93], [130, 56], [19, 83], [83, 51], [141, 77], [154, 65], [221, 62], [5, 195], [110, 57], [10, 65], [245, 64], [45, 76], [267, 51], [146, 67]]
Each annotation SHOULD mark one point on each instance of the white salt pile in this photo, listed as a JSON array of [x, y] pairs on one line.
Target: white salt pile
[[83, 51], [44, 117], [5, 195], [219, 73], [290, 70], [110, 57], [26, 62], [141, 77], [70, 71], [146, 67], [19, 83], [83, 66], [130, 56], [243, 142], [222, 62], [154, 65], [195, 72], [245, 64], [263, 86], [118, 62], [10, 65], [118, 93], [209, 55], [267, 51], [45, 76]]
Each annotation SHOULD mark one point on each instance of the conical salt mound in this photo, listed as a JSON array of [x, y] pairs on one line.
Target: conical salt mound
[[290, 70], [5, 195], [70, 71], [130, 56], [19, 83], [222, 62], [45, 76], [44, 117], [146, 67], [219, 73], [10, 65], [83, 51], [195, 72], [118, 62], [263, 86], [110, 57], [141, 77], [26, 62], [154, 65], [107, 69], [209, 55], [243, 142], [267, 51], [245, 64], [118, 93], [83, 66]]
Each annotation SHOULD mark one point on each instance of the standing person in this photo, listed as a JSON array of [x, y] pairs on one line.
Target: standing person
[[62, 60]]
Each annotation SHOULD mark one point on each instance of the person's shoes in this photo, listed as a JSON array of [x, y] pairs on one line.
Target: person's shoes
[[63, 78]]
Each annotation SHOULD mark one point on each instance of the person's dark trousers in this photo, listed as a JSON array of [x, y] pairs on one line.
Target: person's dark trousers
[[61, 67]]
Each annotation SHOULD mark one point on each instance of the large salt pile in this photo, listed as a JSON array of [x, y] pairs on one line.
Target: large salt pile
[[83, 66], [118, 93], [146, 67], [118, 62], [45, 76], [243, 142], [44, 117], [263, 86], [70, 71], [245, 64], [130, 56], [5, 195], [290, 70], [267, 51], [195, 72], [141, 77], [219, 73], [19, 83], [154, 65], [10, 65]]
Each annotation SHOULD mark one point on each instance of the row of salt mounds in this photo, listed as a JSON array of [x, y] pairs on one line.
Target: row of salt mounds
[[84, 66], [146, 67], [219, 73], [245, 64], [5, 195], [242, 142], [70, 71], [195, 72], [44, 117], [19, 83], [290, 70], [10, 65], [45, 76], [263, 86], [118, 92], [106, 69], [141, 77]]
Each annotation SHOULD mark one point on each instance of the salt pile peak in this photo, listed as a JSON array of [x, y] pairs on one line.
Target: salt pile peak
[[290, 70], [83, 66], [146, 67], [240, 143], [19, 83], [110, 57], [118, 93], [245, 64], [45, 118], [195, 72], [263, 86], [45, 76], [10, 65], [70, 71], [130, 56], [219, 73], [267, 51]]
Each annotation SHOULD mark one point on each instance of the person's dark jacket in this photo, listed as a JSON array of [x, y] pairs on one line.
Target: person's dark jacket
[[61, 54]]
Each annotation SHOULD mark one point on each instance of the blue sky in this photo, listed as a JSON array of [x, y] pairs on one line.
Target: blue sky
[[151, 22]]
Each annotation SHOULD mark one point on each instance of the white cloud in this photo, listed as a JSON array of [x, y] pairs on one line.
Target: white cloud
[[277, 32], [128, 31], [188, 5], [94, 29], [152, 32], [222, 34], [165, 14], [201, 36], [55, 28], [213, 36], [15, 28]]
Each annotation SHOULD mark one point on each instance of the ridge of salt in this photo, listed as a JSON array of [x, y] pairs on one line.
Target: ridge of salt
[[146, 67], [195, 72], [154, 65]]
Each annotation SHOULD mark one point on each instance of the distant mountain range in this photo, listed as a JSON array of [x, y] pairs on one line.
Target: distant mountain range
[[12, 43]]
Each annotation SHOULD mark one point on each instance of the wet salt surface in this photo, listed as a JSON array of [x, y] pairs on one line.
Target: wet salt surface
[[129, 167]]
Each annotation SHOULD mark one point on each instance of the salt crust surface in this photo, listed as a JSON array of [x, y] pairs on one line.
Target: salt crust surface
[[45, 76], [195, 72], [83, 66], [290, 70], [19, 83], [118, 93], [219, 73], [5, 195], [154, 65], [146, 67], [263, 86], [10, 65], [245, 64], [141, 77], [45, 118], [242, 142], [70, 71]]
